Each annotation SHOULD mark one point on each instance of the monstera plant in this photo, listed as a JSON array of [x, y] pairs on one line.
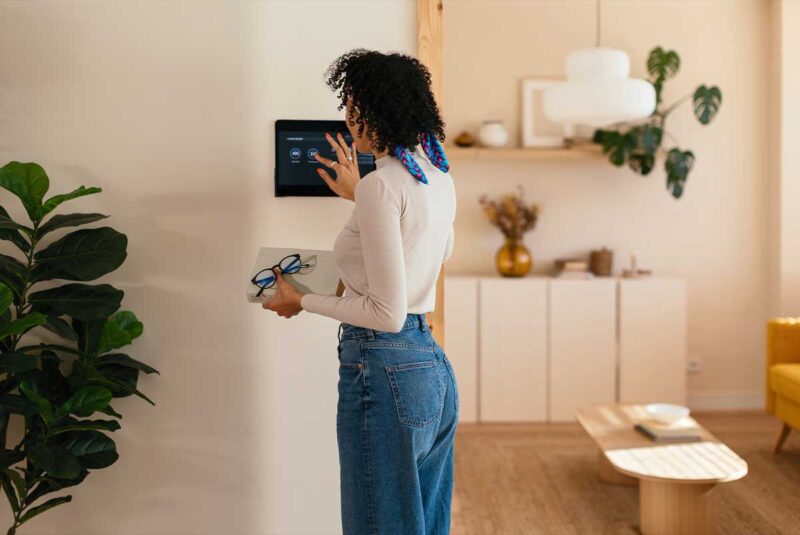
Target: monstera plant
[[60, 368], [638, 144]]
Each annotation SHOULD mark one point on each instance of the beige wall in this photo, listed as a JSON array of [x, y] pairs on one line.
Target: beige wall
[[715, 236], [788, 43], [169, 107]]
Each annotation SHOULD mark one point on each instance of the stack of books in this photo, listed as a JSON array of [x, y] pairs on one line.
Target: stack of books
[[684, 430], [573, 269]]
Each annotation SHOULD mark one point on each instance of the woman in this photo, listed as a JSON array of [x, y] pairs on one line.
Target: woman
[[398, 399]]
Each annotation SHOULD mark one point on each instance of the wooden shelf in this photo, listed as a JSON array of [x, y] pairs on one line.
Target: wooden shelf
[[580, 152]]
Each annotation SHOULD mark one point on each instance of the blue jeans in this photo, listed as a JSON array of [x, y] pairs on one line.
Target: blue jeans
[[395, 424]]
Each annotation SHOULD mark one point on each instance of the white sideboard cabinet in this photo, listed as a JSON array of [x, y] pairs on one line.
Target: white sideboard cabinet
[[583, 345], [512, 350], [535, 349]]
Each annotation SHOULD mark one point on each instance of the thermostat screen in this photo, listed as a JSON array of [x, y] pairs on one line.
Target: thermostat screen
[[296, 168]]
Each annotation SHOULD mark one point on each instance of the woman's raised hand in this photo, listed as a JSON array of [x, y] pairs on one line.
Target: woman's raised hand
[[345, 167]]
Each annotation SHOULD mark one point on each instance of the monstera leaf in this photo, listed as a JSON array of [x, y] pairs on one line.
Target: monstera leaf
[[706, 102], [662, 65], [678, 165]]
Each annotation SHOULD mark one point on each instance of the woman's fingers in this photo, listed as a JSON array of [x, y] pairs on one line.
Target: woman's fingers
[[324, 161], [343, 143], [354, 154], [341, 155], [327, 178]]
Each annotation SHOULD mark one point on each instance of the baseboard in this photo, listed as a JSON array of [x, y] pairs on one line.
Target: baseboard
[[725, 400]]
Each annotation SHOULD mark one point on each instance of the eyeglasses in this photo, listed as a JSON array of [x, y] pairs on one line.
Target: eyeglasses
[[265, 278]]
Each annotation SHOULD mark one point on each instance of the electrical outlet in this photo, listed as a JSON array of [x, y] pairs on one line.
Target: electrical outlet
[[693, 366]]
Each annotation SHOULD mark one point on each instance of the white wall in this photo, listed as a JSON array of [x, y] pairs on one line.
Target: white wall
[[169, 107], [715, 236]]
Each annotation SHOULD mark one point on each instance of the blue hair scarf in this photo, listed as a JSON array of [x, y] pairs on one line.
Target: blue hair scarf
[[433, 150]]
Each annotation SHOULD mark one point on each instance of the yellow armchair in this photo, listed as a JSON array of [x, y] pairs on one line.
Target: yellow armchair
[[783, 374]]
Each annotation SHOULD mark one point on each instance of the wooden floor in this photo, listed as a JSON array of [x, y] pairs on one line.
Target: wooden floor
[[530, 479]]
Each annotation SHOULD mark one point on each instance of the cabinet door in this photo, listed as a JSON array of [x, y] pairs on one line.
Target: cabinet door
[[652, 337], [513, 350], [461, 340], [583, 345]]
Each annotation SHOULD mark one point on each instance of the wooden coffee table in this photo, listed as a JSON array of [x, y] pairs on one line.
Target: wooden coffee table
[[677, 482]]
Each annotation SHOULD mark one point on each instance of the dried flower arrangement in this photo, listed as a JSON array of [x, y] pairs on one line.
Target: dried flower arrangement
[[510, 214]]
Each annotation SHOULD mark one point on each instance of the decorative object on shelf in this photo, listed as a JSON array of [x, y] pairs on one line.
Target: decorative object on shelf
[[638, 144], [493, 134], [633, 271], [602, 262], [55, 390], [514, 218], [465, 139], [572, 268], [598, 91], [531, 117]]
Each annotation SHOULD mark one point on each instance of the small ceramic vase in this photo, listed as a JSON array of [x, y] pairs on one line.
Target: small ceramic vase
[[513, 259], [493, 134]]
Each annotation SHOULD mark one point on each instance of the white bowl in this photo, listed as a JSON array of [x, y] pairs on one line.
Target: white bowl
[[666, 413]]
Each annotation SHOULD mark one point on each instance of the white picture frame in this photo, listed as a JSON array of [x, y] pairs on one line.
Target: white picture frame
[[530, 137]]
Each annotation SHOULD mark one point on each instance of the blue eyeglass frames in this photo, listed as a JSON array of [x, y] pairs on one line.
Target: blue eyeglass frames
[[265, 278]]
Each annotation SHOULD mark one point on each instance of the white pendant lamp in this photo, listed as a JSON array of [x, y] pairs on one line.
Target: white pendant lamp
[[598, 91]]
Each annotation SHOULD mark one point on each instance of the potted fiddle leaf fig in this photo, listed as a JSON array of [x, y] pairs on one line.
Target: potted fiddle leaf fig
[[60, 364], [639, 144]]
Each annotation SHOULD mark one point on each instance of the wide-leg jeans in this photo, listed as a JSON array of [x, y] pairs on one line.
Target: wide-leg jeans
[[396, 421]]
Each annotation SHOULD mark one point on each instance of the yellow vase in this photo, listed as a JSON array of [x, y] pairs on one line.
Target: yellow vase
[[513, 259]]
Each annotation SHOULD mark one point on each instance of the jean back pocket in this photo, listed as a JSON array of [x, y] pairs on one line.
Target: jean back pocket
[[419, 390]]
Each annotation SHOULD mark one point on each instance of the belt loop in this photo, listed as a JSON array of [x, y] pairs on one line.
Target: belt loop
[[339, 334], [423, 324], [370, 334]]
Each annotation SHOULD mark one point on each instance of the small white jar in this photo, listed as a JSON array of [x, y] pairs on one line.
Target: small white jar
[[493, 134]]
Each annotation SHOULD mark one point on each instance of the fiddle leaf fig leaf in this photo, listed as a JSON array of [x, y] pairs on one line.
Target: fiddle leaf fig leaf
[[86, 425], [93, 449], [120, 330], [54, 459], [86, 401], [44, 405], [82, 255], [80, 301], [69, 220], [6, 297], [9, 231], [29, 183], [707, 101], [12, 273], [51, 203], [125, 361], [17, 362], [23, 324], [39, 509], [678, 166], [61, 328]]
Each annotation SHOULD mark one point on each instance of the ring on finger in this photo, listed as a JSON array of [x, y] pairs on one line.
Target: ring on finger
[[334, 163]]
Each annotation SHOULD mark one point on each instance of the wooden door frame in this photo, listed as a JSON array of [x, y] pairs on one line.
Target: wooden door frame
[[429, 52]]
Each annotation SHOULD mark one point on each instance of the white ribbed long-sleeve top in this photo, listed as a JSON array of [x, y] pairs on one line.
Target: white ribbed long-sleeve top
[[390, 251]]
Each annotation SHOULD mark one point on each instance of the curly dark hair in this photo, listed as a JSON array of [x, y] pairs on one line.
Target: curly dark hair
[[393, 94]]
